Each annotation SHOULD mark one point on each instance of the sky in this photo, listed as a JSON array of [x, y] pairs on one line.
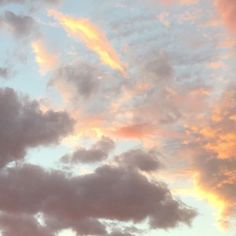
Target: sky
[[117, 118]]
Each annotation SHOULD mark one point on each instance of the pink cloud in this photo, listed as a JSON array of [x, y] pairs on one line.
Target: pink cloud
[[227, 10]]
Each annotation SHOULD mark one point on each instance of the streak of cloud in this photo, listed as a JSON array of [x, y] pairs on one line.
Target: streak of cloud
[[92, 36]]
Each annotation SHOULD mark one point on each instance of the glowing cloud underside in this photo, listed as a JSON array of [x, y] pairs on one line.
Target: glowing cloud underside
[[93, 38], [46, 60]]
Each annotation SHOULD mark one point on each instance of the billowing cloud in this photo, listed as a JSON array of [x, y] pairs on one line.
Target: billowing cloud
[[46, 60], [93, 37], [98, 152], [109, 193], [24, 125], [227, 10]]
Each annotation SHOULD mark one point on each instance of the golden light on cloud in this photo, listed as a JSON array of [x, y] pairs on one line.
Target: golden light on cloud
[[223, 146], [45, 59], [92, 37], [220, 205], [87, 127]]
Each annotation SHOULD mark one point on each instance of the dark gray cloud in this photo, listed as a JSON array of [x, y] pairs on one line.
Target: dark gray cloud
[[117, 233], [24, 125], [137, 158], [112, 193], [21, 25], [89, 226], [21, 225], [98, 152]]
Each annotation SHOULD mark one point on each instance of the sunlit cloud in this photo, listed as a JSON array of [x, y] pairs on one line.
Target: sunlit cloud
[[92, 36], [214, 200], [136, 131], [46, 60], [220, 205], [227, 11]]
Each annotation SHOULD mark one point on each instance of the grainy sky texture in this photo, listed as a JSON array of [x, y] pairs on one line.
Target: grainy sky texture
[[117, 117]]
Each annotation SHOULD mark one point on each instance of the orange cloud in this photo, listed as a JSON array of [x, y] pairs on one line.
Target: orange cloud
[[211, 144], [92, 36], [227, 10], [216, 198], [135, 131], [224, 146], [216, 65], [45, 59]]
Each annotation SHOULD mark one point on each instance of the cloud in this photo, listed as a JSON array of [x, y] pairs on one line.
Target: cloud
[[157, 67], [227, 10], [11, 1], [73, 81], [52, 2], [24, 125], [45, 59], [137, 158], [4, 72], [92, 36], [211, 145], [21, 225], [21, 26], [48, 2], [98, 152], [181, 2], [112, 193], [134, 131], [91, 227], [117, 233]]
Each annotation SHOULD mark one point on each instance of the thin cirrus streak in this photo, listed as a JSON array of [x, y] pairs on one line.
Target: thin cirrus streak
[[92, 37], [45, 59]]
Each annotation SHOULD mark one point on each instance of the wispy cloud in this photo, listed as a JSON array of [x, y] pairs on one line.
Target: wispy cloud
[[92, 36]]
